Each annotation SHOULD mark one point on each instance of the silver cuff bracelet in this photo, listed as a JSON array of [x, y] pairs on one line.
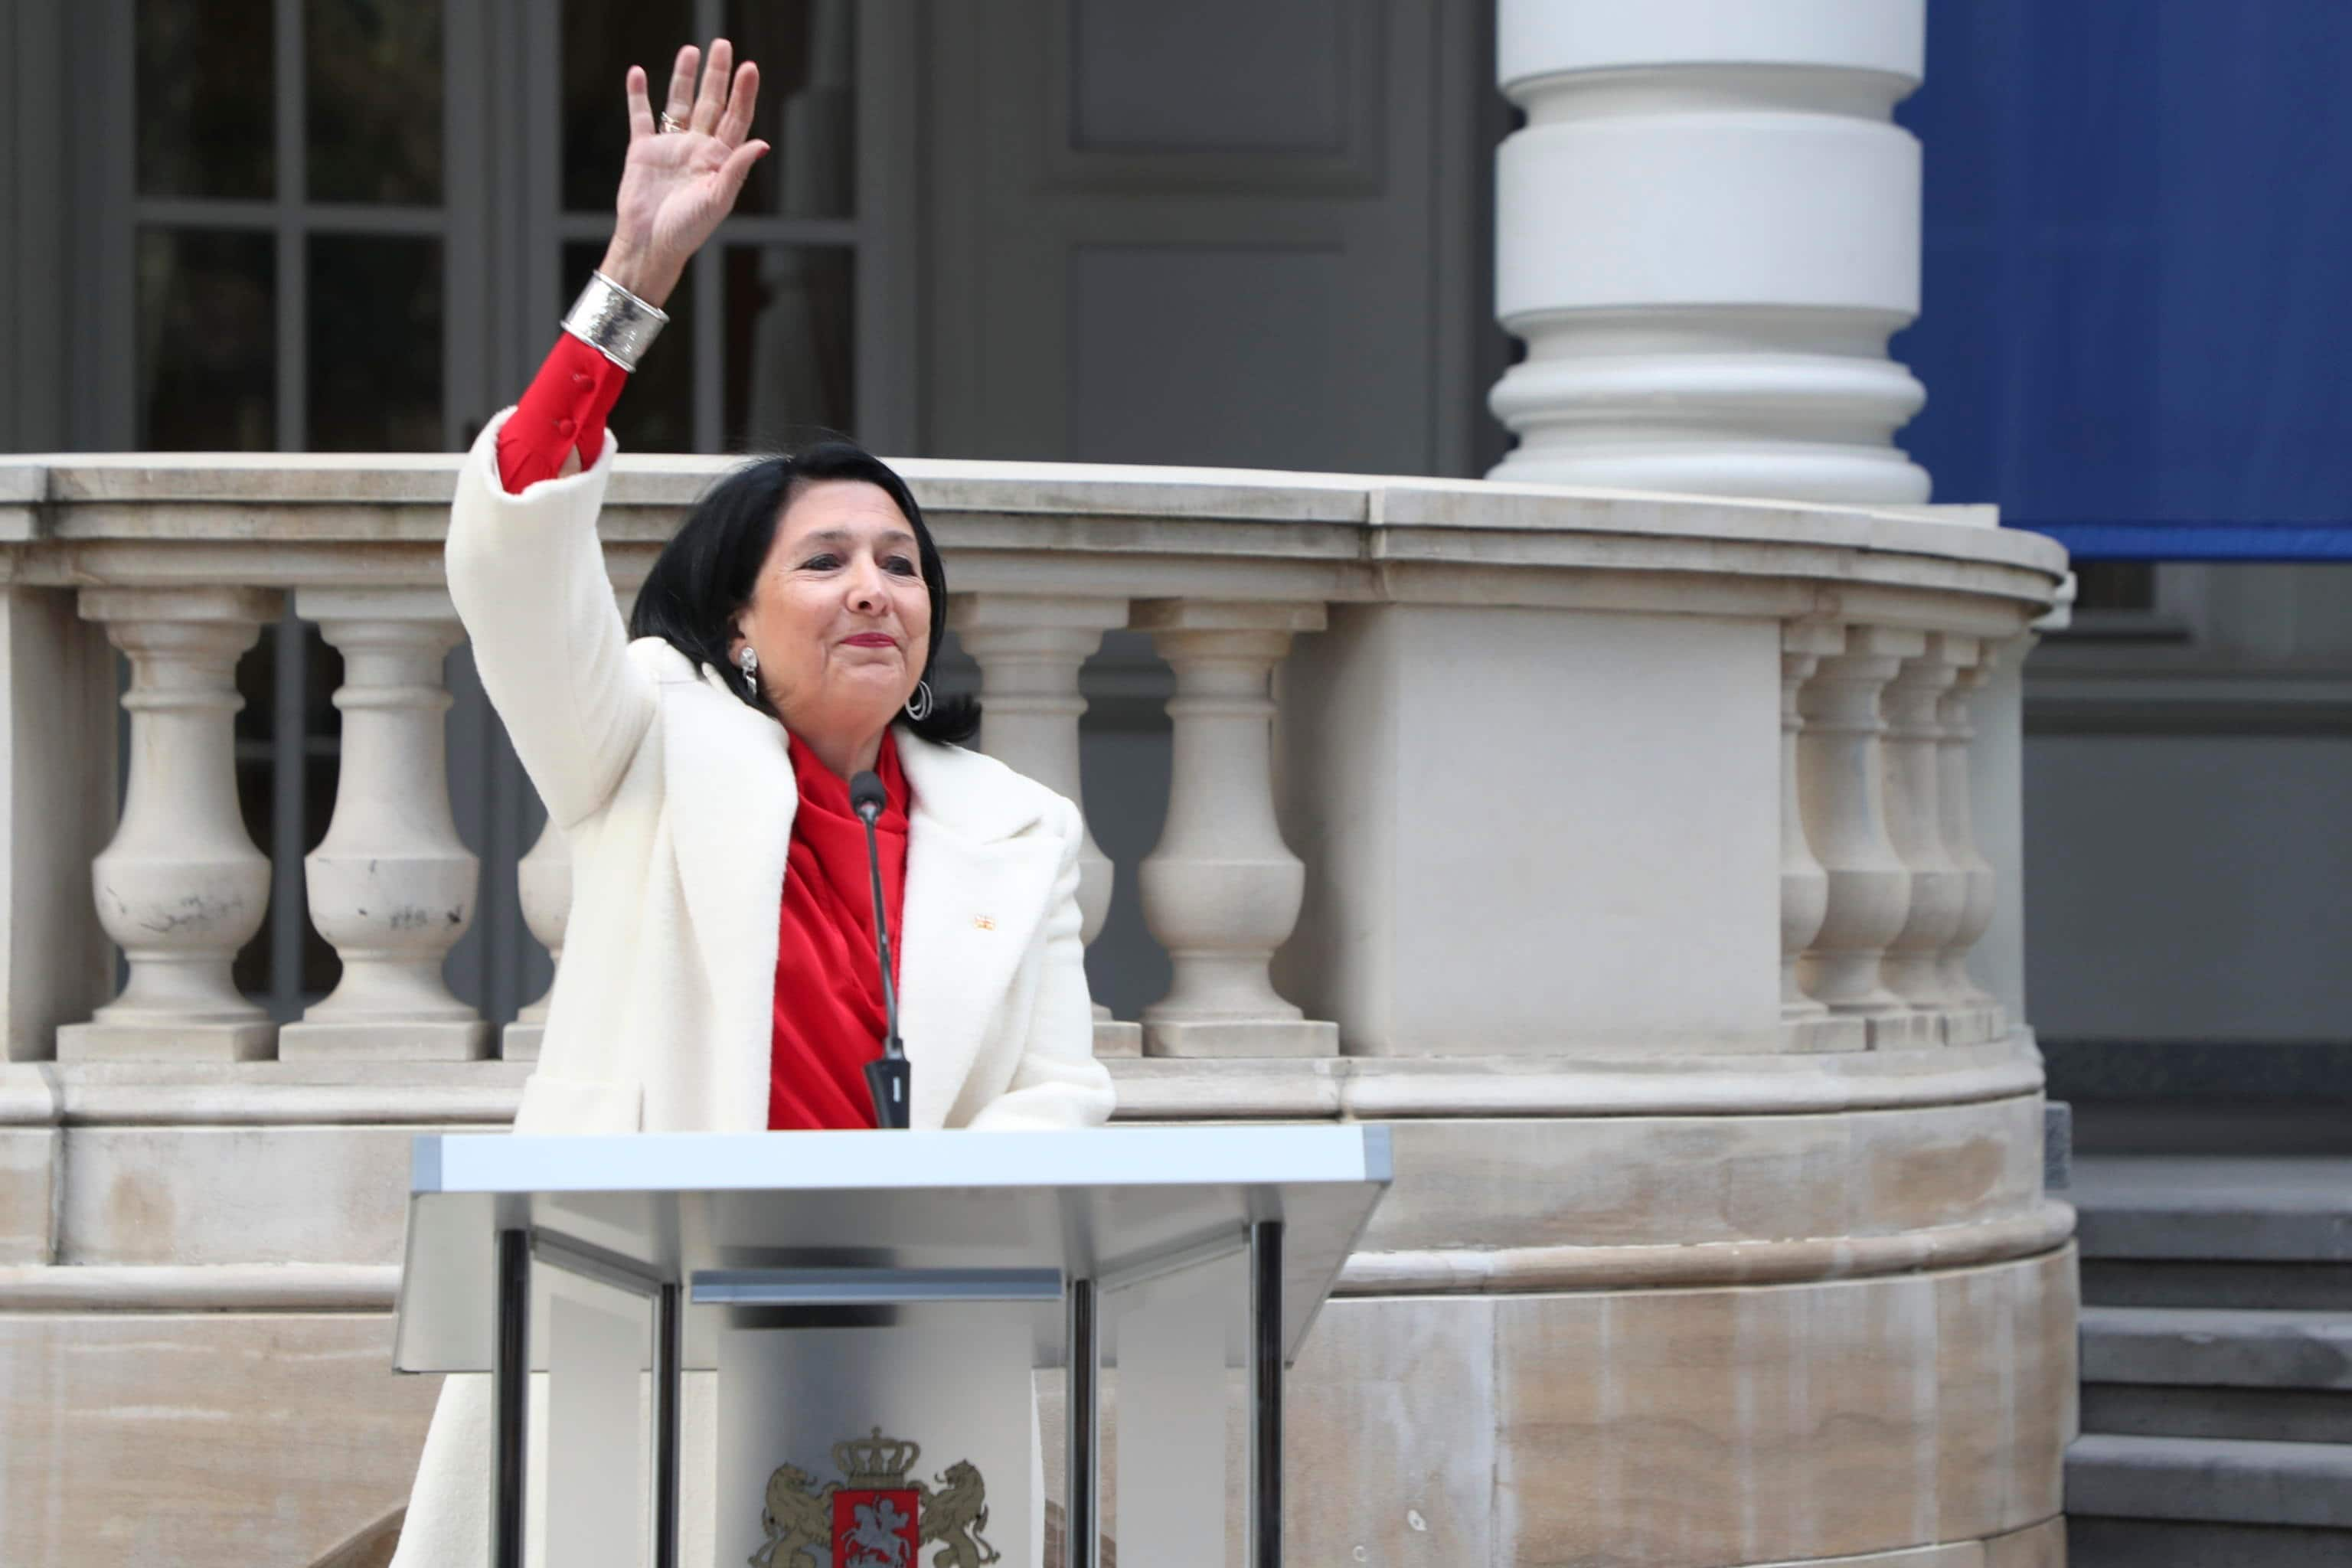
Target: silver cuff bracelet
[[613, 322]]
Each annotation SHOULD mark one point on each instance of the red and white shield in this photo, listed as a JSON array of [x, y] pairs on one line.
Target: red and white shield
[[875, 1527]]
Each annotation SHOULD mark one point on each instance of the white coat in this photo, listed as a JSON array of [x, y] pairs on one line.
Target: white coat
[[677, 800]]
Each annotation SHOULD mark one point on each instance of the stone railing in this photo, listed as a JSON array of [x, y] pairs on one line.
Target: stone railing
[[1550, 769], [1650, 864], [1626, 770]]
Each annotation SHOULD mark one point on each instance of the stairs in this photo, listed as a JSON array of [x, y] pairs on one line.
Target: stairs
[[2216, 1363]]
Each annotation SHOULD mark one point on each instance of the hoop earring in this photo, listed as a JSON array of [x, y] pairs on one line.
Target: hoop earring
[[750, 661], [919, 706]]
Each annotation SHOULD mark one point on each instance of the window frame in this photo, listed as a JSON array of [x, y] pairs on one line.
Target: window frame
[[501, 235]]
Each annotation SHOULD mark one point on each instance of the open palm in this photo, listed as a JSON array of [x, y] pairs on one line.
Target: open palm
[[678, 185]]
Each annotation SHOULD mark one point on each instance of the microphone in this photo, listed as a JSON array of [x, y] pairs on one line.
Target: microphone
[[888, 1076]]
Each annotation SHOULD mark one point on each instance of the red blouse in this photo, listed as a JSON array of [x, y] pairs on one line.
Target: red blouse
[[828, 1012], [828, 1017]]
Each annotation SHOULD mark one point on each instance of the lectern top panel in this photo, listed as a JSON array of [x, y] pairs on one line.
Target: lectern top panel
[[1115, 1204], [843, 1162]]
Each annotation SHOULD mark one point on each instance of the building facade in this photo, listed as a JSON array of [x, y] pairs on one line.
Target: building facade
[[1720, 1236]]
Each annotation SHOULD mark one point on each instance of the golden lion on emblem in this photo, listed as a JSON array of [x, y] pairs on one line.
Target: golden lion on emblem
[[955, 1516], [798, 1520]]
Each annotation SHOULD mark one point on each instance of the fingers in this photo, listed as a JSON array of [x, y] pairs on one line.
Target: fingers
[[682, 84], [739, 104], [641, 108], [712, 102], [737, 169]]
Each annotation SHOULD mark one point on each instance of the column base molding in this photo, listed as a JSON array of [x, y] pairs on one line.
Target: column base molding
[[1117, 1041], [1906, 1031], [254, 1041], [1242, 1038], [521, 1041], [200, 1288], [451, 1040], [1824, 1032], [1974, 1026], [1679, 1267], [1624, 1082]]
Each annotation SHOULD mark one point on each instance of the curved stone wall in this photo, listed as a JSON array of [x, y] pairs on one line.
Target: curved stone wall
[[1643, 860]]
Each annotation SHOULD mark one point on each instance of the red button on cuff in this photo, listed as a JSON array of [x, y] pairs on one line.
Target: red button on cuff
[[566, 428]]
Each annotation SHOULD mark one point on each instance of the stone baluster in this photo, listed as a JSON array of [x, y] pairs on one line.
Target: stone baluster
[[1804, 887], [1222, 891], [1705, 231], [544, 880], [181, 886], [1911, 757], [1972, 1014], [1030, 650], [391, 885], [1842, 788]]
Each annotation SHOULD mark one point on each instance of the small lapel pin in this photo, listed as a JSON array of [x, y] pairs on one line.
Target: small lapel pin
[[982, 922]]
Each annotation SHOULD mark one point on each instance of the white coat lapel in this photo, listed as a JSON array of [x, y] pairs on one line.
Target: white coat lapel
[[728, 775], [978, 887]]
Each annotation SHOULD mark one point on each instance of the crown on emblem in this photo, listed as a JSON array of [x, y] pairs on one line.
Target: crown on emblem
[[877, 1461]]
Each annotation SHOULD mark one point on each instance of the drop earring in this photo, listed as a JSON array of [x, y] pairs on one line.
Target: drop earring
[[750, 661]]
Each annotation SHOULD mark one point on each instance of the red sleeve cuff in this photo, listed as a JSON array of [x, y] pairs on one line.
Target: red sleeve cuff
[[564, 409]]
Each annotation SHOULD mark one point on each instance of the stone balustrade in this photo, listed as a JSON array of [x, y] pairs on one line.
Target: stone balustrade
[[1551, 714], [1648, 862]]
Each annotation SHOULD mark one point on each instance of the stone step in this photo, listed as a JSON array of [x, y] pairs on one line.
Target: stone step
[[2153, 1410], [2220, 1347], [2154, 1282], [2179, 1209], [2168, 1543], [2212, 1481]]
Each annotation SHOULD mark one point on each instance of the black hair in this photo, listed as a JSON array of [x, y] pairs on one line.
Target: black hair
[[703, 578]]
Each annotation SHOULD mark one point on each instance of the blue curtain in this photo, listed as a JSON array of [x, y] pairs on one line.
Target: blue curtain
[[2136, 316]]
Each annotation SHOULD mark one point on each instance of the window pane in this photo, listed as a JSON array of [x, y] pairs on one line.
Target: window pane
[[656, 413], [807, 53], [207, 342], [602, 39], [204, 75], [372, 73], [790, 367], [375, 343]]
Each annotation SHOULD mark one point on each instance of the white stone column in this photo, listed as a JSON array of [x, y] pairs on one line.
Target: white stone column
[[1222, 891], [1911, 757], [181, 888], [1843, 790], [1030, 649], [391, 885], [544, 880], [1705, 232], [1972, 1013], [1806, 1022]]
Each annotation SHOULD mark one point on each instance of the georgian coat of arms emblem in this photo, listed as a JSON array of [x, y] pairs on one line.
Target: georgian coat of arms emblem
[[874, 1516]]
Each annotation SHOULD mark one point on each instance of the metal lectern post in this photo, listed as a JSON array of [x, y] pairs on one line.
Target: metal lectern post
[[1082, 1532], [1265, 1394], [669, 1376], [511, 1398]]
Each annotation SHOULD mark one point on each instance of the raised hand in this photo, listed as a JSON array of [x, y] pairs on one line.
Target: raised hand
[[678, 185]]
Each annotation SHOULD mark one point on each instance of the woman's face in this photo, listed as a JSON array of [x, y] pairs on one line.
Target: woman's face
[[840, 616]]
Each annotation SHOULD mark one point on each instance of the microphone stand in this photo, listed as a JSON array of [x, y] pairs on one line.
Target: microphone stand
[[888, 1077]]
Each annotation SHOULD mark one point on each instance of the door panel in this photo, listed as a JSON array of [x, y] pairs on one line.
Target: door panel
[[1218, 233]]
